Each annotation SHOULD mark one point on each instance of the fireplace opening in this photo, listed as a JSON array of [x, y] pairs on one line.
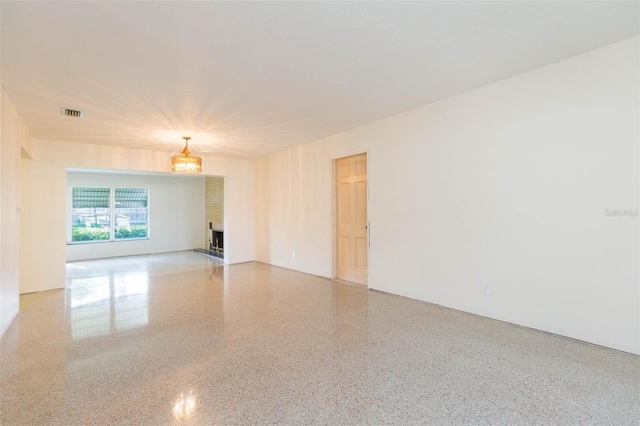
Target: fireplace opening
[[216, 243]]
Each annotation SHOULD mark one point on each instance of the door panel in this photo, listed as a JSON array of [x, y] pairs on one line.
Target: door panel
[[344, 249], [351, 211], [361, 254], [345, 170], [361, 206], [345, 203]]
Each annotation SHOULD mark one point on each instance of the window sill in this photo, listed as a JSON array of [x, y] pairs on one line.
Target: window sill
[[122, 240]]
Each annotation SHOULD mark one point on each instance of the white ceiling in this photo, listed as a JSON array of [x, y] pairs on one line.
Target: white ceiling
[[247, 79]]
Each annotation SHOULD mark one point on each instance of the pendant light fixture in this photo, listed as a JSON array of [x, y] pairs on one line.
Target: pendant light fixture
[[186, 163]]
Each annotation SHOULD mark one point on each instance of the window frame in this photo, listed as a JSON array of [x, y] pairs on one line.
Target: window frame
[[112, 216]]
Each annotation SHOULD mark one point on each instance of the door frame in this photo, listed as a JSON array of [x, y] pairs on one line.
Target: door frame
[[334, 216]]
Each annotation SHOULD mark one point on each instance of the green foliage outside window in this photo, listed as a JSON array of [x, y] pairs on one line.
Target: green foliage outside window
[[89, 234], [82, 233], [136, 231]]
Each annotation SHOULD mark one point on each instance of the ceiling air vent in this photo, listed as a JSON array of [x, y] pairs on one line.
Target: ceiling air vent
[[72, 112]]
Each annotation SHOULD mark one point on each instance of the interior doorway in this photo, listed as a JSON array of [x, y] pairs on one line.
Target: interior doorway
[[352, 245]]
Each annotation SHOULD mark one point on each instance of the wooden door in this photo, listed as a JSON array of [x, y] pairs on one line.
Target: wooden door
[[351, 208]]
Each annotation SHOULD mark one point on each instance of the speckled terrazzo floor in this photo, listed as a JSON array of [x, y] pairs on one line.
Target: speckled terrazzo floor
[[182, 339]]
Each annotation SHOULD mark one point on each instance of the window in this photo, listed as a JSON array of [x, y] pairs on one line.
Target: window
[[91, 214], [109, 214], [131, 215]]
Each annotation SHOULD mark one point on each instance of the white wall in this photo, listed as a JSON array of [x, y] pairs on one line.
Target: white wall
[[15, 138], [238, 174], [508, 183], [42, 227], [176, 214]]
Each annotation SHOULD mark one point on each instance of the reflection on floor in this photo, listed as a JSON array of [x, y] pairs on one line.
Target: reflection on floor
[[181, 338], [106, 303]]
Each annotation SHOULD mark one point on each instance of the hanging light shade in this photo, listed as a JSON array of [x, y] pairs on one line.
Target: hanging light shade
[[186, 163]]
